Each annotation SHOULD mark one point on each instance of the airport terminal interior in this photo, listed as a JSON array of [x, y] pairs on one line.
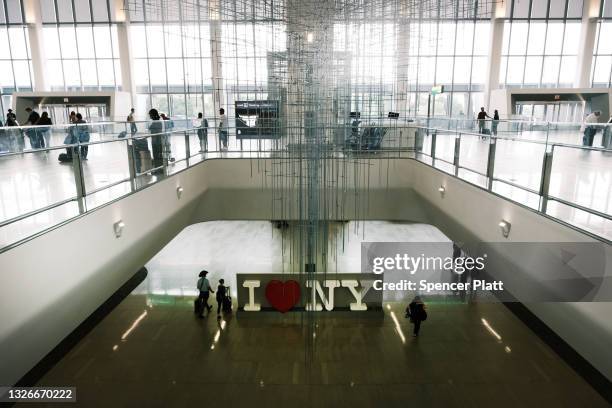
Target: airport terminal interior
[[310, 203]]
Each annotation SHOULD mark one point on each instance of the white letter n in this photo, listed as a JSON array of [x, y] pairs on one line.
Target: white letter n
[[328, 301]]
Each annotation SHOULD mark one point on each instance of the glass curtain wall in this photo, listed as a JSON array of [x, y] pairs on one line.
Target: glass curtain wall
[[540, 43], [602, 56], [253, 37], [172, 64], [15, 59], [81, 45]]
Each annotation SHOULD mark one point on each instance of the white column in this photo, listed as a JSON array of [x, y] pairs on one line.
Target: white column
[[402, 61], [33, 17], [214, 14], [496, 37], [126, 59], [586, 44]]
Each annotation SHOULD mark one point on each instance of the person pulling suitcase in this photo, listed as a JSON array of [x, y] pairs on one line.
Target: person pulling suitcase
[[202, 300], [222, 298]]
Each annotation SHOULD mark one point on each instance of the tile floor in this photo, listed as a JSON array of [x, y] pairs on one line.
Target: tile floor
[[152, 351]]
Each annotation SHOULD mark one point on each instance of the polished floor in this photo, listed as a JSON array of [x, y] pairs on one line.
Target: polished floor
[[151, 351]]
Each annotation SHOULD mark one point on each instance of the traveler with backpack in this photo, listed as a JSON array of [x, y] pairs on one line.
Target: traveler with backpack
[[205, 290], [417, 314], [222, 298]]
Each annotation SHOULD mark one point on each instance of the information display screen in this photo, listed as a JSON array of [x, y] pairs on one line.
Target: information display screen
[[257, 120]]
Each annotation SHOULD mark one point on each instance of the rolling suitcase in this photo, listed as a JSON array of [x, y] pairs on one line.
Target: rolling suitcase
[[227, 302], [64, 158], [197, 306]]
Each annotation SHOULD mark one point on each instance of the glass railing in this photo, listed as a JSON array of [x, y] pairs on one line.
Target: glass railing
[[52, 174], [559, 169]]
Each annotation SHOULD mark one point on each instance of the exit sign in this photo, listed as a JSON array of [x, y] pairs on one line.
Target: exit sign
[[438, 89]]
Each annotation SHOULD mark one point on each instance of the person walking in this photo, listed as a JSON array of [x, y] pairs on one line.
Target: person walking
[[82, 130], [482, 116], [155, 128], [168, 126], [15, 137], [417, 314], [222, 129], [32, 133], [589, 130], [45, 120], [202, 125], [221, 293], [205, 290], [132, 121], [494, 122]]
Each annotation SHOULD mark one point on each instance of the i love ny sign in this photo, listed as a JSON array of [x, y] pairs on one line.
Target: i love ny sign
[[324, 292]]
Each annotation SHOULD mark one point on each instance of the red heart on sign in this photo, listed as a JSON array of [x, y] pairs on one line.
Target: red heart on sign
[[283, 295]]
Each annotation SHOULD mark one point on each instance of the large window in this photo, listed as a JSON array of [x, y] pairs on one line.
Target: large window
[[15, 59], [539, 53], [82, 56], [173, 67], [602, 56]]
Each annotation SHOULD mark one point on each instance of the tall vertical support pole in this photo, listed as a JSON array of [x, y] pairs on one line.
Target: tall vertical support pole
[[496, 37], [33, 18], [400, 103], [214, 16], [491, 163], [457, 153], [77, 166], [545, 180], [586, 43], [126, 57]]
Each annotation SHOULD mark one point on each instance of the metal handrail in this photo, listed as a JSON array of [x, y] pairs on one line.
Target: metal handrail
[[336, 149]]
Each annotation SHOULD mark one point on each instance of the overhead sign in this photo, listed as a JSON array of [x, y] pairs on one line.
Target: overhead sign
[[326, 292], [438, 89], [257, 119]]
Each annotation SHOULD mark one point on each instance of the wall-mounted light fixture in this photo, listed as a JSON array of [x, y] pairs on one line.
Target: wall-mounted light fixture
[[442, 191], [505, 228], [118, 227], [179, 192]]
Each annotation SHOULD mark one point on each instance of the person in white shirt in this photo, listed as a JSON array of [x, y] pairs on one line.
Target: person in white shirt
[[589, 131], [201, 124]]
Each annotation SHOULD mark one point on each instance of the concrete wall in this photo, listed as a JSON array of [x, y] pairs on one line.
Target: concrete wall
[[44, 297], [467, 213]]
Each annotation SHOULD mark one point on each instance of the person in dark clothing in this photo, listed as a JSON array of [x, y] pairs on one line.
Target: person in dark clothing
[[11, 115], [482, 116], [15, 137], [494, 122], [82, 132], [205, 290], [416, 312], [156, 128], [221, 293], [32, 133], [202, 126], [45, 132]]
